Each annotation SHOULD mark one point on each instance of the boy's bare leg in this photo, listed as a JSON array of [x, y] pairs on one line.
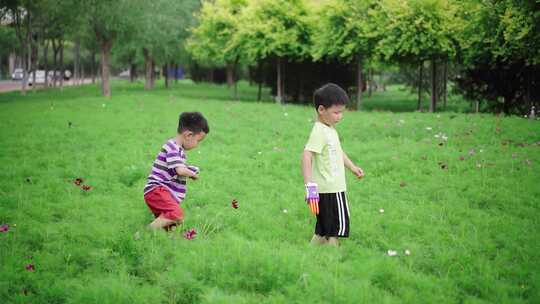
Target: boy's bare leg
[[318, 240], [160, 223], [333, 241]]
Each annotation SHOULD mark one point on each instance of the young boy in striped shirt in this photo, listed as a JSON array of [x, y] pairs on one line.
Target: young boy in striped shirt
[[166, 186], [323, 167]]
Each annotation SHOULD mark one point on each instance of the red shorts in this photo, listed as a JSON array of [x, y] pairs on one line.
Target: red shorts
[[161, 202]]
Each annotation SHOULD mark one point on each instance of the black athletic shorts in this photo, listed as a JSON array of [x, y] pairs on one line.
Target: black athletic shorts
[[333, 217]]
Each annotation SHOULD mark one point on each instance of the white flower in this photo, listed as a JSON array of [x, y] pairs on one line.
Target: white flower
[[392, 253], [437, 135], [381, 210], [259, 152], [428, 128], [444, 137], [407, 252], [285, 211]]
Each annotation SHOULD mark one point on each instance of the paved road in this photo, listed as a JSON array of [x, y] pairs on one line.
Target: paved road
[[10, 85]]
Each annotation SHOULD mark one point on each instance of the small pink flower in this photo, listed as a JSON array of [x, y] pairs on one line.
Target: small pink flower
[[4, 228], [462, 157], [190, 234], [30, 267], [86, 187], [472, 152]]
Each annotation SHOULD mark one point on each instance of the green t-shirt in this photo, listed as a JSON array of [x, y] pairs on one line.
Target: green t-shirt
[[327, 167]]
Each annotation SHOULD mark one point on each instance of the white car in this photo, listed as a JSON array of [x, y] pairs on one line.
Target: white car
[[17, 74], [124, 74], [40, 77]]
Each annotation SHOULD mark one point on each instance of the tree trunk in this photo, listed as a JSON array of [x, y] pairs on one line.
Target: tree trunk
[[359, 84], [34, 60], [105, 74], [433, 102], [235, 79], [93, 67], [76, 62], [507, 105], [259, 80], [26, 46], [61, 64], [370, 81], [420, 82], [166, 75], [149, 70], [279, 96], [46, 61], [176, 73], [132, 72], [55, 62], [445, 84], [230, 75], [82, 74]]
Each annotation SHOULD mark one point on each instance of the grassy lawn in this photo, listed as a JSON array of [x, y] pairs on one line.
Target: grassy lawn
[[467, 208]]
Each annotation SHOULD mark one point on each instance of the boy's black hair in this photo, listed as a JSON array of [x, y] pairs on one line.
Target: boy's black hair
[[194, 122], [328, 95]]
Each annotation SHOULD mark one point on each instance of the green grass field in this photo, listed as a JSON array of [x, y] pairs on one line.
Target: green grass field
[[467, 208]]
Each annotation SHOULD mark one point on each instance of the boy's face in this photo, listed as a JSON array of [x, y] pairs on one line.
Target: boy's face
[[332, 115], [191, 140]]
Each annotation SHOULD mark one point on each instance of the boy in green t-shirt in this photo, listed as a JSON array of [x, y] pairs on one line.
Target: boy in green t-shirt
[[323, 167]]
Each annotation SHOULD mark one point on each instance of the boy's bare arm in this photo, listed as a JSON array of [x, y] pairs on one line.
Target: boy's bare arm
[[306, 166], [184, 171], [354, 169]]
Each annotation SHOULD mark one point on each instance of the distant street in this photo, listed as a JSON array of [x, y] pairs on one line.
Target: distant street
[[11, 85]]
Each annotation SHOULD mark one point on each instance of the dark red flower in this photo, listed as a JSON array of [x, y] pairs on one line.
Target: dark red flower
[[190, 234], [78, 181], [234, 204], [461, 157], [402, 184], [30, 267], [4, 228], [86, 187]]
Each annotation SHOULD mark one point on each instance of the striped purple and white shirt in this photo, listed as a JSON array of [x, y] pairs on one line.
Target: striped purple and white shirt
[[163, 171]]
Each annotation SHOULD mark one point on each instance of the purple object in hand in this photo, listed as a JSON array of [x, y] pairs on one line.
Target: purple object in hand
[[194, 169], [312, 192]]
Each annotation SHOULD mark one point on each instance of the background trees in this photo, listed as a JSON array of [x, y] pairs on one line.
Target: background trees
[[488, 51], [500, 54]]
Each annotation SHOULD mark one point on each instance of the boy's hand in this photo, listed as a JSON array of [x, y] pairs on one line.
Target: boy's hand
[[312, 197], [357, 171], [195, 170]]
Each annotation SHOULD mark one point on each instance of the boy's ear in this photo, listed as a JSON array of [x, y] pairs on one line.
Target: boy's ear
[[320, 109]]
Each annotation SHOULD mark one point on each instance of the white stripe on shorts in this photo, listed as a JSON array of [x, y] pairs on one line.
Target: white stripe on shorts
[[347, 205], [341, 214]]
